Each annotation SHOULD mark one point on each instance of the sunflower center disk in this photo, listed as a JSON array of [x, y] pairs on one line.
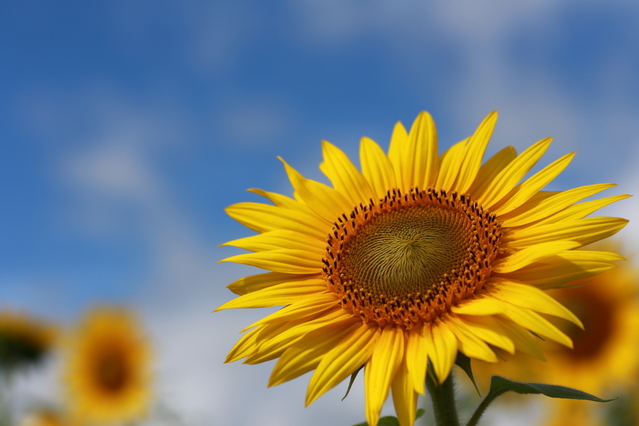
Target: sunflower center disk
[[409, 257]]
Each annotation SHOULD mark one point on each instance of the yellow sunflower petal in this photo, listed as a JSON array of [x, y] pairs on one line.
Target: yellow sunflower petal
[[469, 343], [451, 160], [277, 295], [490, 170], [479, 306], [527, 189], [399, 155], [244, 346], [345, 358], [404, 395], [581, 210], [533, 211], [523, 339], [422, 142], [475, 153], [327, 202], [306, 354], [417, 357], [283, 201], [280, 239], [565, 267], [281, 260], [441, 346], [257, 282], [313, 304], [532, 298], [344, 176], [488, 330], [376, 167], [274, 345], [532, 254], [263, 218], [583, 231], [380, 370], [536, 323], [510, 176]]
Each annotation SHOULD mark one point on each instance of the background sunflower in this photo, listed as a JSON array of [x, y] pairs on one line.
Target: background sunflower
[[107, 368], [603, 361]]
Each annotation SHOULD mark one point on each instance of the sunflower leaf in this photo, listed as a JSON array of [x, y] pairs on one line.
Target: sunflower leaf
[[464, 363], [350, 383], [500, 385], [392, 420]]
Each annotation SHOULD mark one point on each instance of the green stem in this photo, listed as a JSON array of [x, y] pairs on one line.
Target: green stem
[[443, 397]]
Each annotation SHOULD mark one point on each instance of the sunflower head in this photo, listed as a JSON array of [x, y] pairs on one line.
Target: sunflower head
[[107, 372], [24, 340], [411, 258]]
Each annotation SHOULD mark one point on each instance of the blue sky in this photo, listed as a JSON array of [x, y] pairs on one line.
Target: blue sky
[[127, 127]]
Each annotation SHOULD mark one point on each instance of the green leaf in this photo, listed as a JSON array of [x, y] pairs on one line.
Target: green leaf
[[500, 385], [350, 383], [464, 363], [392, 420]]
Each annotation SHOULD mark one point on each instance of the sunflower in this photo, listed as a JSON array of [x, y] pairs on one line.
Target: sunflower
[[23, 340], [107, 372], [413, 258]]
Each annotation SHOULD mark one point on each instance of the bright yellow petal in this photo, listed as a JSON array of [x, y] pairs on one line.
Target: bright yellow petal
[[489, 171], [441, 346], [422, 141], [284, 201], [257, 282], [581, 210], [537, 210], [523, 339], [376, 167], [404, 396], [327, 202], [527, 189], [280, 239], [380, 370], [537, 324], [263, 217], [346, 358], [510, 176], [282, 260], [488, 330], [468, 343], [583, 231], [306, 354], [274, 345], [313, 304], [475, 153], [565, 267], [344, 175], [532, 254], [277, 295], [479, 306], [532, 298], [451, 161], [244, 346], [398, 154], [417, 357]]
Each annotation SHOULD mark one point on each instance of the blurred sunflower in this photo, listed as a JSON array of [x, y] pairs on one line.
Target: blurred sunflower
[[604, 358], [417, 256], [107, 369], [23, 340]]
